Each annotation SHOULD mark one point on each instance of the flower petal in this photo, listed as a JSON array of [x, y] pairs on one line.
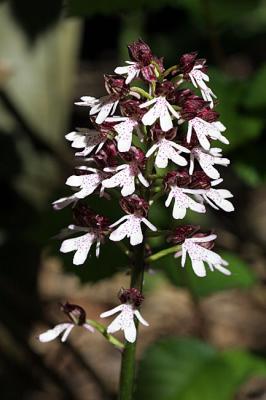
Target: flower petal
[[81, 244], [112, 311], [136, 236], [166, 121], [52, 334], [119, 233], [140, 318], [67, 332], [198, 267], [115, 325], [130, 332]]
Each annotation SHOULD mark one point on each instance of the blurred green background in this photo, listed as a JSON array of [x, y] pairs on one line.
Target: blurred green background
[[207, 338]]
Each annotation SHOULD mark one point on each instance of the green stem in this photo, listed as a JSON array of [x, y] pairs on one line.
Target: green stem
[[162, 253], [127, 373], [169, 70], [102, 329], [124, 248], [142, 92]]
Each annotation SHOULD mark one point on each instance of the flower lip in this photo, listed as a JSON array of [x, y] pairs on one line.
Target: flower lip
[[134, 205], [131, 296], [179, 234], [75, 313]]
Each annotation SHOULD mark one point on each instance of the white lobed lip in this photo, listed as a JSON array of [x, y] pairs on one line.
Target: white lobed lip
[[124, 321]]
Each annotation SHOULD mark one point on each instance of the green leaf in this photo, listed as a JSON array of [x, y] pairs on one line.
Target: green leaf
[[241, 277], [188, 369], [169, 366]]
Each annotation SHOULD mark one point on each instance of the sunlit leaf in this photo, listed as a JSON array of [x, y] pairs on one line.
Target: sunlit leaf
[[188, 369]]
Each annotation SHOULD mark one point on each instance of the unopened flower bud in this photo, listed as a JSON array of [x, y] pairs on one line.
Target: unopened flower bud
[[139, 51]]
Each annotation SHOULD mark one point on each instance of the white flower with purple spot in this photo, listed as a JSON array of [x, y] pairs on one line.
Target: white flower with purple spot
[[104, 106], [87, 183], [125, 178], [64, 329], [81, 245], [182, 202], [207, 160], [130, 228], [200, 255], [167, 150], [125, 321], [132, 71], [124, 132], [217, 198], [161, 110], [198, 79], [204, 129], [86, 139]]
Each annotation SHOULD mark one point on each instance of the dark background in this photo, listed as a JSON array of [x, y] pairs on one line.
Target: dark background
[[51, 53]]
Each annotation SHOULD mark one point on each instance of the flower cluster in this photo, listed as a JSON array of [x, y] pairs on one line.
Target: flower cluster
[[130, 299], [136, 132]]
